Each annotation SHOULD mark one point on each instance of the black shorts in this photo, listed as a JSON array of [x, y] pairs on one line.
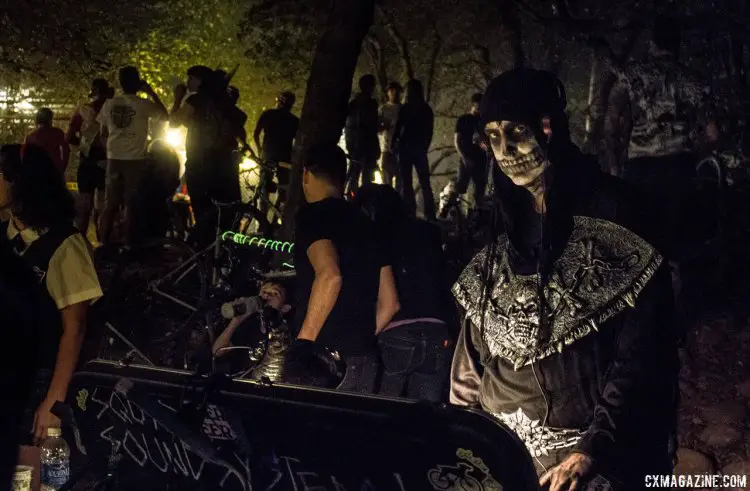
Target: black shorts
[[37, 395], [90, 175]]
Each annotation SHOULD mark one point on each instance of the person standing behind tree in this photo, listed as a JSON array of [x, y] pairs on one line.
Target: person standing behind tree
[[361, 134], [51, 139], [84, 131], [388, 119], [411, 142], [125, 125]]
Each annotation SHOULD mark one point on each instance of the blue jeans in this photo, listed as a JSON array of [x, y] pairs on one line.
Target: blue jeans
[[416, 361], [361, 374]]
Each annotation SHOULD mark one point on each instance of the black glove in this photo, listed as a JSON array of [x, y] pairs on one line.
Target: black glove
[[308, 363]]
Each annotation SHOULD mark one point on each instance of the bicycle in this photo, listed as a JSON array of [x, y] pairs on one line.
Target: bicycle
[[167, 284], [254, 179]]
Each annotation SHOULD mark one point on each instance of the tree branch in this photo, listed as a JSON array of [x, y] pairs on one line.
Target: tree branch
[[434, 55], [442, 148], [374, 50], [401, 42], [515, 37], [19, 67], [440, 114]]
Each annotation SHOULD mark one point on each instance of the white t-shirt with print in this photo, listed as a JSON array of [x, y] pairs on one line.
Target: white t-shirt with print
[[126, 118], [71, 277], [388, 116]]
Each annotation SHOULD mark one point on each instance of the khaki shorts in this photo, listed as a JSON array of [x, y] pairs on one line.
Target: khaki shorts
[[123, 178]]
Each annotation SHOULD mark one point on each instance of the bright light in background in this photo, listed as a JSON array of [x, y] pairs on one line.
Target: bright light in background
[[21, 101], [378, 177], [175, 138], [25, 106], [248, 164]]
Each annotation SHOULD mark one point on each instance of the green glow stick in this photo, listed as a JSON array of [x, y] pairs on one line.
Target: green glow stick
[[274, 245]]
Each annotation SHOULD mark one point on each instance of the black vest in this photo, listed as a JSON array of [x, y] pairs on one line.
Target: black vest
[[36, 309]]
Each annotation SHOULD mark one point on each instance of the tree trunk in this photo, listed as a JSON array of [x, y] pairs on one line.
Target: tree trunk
[[328, 90], [515, 37], [434, 56], [738, 62], [374, 50], [590, 102]]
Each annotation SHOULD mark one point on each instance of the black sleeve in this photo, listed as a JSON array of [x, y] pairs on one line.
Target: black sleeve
[[459, 125], [640, 389], [373, 117], [312, 226], [383, 252], [296, 124], [194, 100], [261, 124]]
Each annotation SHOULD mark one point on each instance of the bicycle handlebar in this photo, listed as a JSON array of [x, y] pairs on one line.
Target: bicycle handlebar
[[280, 274]]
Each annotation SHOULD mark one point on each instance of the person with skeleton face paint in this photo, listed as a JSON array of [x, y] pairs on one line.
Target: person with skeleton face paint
[[567, 335]]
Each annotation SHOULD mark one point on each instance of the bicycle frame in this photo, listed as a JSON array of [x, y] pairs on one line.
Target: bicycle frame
[[182, 270], [259, 191], [185, 268]]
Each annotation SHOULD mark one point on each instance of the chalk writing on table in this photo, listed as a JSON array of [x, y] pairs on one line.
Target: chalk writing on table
[[153, 447]]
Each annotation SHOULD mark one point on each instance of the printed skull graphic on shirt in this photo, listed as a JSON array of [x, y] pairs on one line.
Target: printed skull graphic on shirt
[[122, 116]]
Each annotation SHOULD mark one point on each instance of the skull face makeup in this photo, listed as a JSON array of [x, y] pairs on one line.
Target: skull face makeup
[[518, 153]]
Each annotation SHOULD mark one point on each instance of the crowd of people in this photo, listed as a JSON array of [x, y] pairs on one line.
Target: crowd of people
[[565, 325]]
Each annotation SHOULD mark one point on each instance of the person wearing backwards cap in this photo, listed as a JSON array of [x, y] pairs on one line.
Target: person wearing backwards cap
[[567, 336]]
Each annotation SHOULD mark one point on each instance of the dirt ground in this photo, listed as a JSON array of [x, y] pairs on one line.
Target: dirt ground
[[714, 414]]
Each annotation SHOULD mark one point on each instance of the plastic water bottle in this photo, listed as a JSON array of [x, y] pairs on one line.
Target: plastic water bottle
[[55, 469]]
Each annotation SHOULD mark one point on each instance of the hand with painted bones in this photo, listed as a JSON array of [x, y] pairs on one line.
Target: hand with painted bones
[[569, 475]]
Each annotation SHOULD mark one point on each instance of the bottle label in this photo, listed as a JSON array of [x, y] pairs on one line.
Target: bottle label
[[55, 475]]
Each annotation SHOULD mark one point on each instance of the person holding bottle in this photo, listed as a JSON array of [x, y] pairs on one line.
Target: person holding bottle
[[56, 273]]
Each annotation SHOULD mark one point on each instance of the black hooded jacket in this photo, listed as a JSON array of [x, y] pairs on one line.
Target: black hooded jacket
[[600, 378]]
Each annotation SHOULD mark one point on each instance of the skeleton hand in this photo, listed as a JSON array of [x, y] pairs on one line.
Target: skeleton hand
[[568, 475]]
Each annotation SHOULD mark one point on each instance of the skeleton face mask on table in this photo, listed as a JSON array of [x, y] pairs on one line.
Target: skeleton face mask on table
[[518, 153]]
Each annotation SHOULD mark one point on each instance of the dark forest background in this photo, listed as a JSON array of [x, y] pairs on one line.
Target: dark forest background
[[53, 48]]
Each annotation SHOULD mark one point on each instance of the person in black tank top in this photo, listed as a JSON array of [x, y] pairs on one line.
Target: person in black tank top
[[53, 275]]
